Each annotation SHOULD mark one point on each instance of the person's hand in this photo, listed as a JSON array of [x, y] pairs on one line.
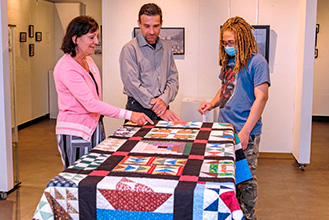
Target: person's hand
[[159, 107], [205, 106], [244, 139], [169, 116], [140, 118]]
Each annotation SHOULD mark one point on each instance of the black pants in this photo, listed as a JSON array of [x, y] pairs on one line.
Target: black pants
[[133, 105]]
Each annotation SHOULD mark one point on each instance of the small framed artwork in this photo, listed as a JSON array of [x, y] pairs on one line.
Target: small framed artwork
[[31, 31], [317, 29], [31, 50], [173, 35], [22, 37], [262, 36], [38, 36]]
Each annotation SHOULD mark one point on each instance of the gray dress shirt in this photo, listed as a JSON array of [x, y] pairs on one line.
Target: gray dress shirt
[[148, 73]]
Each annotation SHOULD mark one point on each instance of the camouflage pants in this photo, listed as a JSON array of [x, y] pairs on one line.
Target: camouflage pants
[[247, 191]]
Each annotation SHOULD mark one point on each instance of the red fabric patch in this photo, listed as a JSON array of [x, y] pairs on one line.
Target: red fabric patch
[[148, 126], [120, 153], [196, 157], [205, 129], [201, 141], [99, 173], [230, 201], [189, 178], [200, 182], [135, 138]]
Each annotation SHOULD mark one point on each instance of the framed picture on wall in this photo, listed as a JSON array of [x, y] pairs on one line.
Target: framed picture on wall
[[174, 35], [262, 36], [38, 36], [31, 31], [31, 50], [22, 37]]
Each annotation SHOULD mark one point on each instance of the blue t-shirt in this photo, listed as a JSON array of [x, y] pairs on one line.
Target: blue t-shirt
[[237, 95]]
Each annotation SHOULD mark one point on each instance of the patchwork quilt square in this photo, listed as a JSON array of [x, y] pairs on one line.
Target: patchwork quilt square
[[110, 144], [179, 124], [162, 147], [125, 131], [89, 161], [219, 125], [126, 193], [168, 133], [220, 150], [151, 165], [64, 204], [222, 135], [217, 168]]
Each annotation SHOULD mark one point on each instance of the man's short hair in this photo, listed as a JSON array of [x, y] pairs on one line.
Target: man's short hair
[[150, 9]]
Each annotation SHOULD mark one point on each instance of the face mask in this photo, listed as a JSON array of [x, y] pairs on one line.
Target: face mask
[[230, 51]]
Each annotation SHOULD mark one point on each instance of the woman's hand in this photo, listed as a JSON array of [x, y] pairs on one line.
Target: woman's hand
[[140, 118]]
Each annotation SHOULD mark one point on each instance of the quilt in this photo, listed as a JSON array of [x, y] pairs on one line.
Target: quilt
[[169, 170]]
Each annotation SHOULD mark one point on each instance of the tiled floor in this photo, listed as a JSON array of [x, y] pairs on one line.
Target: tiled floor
[[285, 192]]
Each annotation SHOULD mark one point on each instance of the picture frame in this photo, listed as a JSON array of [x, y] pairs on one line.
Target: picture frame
[[316, 53], [262, 37], [317, 29], [31, 50], [38, 36], [173, 35], [31, 31], [22, 37]]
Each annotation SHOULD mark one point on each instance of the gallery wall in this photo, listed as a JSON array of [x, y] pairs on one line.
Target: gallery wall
[[65, 12], [198, 68], [32, 71], [321, 76]]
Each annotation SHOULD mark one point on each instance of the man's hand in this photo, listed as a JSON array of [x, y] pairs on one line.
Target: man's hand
[[159, 107], [140, 118], [205, 106], [169, 116]]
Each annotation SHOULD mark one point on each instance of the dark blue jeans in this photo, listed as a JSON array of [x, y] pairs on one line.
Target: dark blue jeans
[[133, 105]]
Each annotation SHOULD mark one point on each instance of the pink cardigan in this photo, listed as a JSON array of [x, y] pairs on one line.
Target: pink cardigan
[[79, 105]]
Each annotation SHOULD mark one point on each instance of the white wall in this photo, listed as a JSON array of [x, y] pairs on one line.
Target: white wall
[[6, 163], [32, 72], [321, 76], [199, 68], [65, 12], [304, 81]]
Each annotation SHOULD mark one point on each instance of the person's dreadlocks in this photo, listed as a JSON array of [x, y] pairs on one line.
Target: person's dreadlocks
[[244, 43]]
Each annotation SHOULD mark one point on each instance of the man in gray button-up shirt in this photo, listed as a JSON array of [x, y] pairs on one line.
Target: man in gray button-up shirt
[[148, 69]]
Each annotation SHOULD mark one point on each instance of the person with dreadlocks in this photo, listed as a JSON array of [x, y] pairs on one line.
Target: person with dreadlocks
[[242, 97]]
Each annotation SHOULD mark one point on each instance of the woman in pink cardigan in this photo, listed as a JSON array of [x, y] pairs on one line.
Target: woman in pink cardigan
[[79, 125]]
